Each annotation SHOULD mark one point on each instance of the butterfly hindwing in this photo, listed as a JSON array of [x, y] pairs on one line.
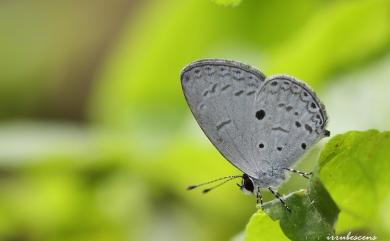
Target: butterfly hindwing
[[294, 119]]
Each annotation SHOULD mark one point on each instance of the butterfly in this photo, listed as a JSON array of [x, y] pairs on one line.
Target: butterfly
[[262, 125]]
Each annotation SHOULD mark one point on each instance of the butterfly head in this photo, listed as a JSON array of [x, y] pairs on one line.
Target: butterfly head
[[247, 184]]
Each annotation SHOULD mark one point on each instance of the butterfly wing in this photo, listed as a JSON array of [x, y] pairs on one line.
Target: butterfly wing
[[293, 119], [221, 94]]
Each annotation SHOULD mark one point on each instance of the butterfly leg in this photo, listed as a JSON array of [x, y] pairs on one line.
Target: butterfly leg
[[303, 174], [277, 195], [259, 197]]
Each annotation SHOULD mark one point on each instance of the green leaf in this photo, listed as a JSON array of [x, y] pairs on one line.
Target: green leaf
[[143, 68], [262, 227], [355, 167], [312, 217], [351, 178], [227, 2]]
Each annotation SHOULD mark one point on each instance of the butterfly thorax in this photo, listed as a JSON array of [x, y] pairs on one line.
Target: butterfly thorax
[[266, 179], [270, 177]]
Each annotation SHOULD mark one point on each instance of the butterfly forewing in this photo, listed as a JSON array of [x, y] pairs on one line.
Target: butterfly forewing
[[221, 96]]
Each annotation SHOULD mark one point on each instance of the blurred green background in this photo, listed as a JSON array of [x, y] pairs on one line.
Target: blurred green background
[[96, 140]]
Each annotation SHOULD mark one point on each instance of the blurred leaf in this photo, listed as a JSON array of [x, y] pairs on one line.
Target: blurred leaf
[[186, 161], [56, 181], [227, 2], [341, 35], [49, 52], [312, 217], [355, 168], [371, 83], [140, 87]]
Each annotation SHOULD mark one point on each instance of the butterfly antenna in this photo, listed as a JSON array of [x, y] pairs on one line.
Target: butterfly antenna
[[220, 184], [216, 180]]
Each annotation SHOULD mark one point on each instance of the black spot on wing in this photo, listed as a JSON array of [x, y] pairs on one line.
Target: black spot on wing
[[261, 145], [225, 87], [260, 114], [201, 106], [223, 123], [213, 88], [308, 128], [238, 93], [326, 133], [318, 117], [280, 129]]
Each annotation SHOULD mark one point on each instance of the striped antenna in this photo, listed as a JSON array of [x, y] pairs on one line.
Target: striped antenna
[[216, 180]]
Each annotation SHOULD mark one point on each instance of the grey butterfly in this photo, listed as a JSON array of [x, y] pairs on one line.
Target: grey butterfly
[[261, 125]]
